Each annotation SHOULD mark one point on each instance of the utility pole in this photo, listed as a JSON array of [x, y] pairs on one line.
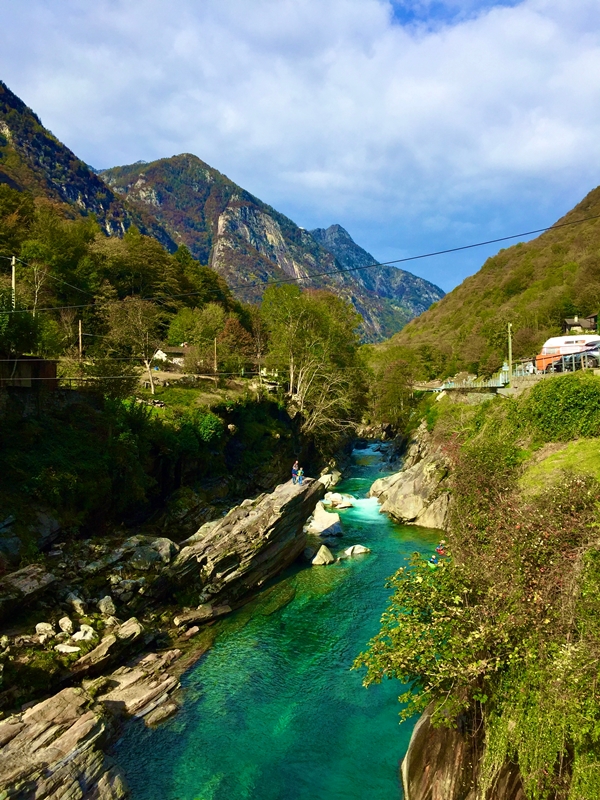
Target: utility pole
[[216, 366], [14, 282], [80, 341], [510, 351]]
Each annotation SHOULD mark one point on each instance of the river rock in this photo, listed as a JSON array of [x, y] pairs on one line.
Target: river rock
[[85, 634], [338, 500], [144, 558], [161, 713], [417, 494], [166, 549], [67, 649], [65, 624], [53, 750], [202, 531], [247, 547], [324, 523], [356, 550], [22, 587], [111, 649], [323, 557], [204, 613], [76, 603], [45, 629], [106, 606]]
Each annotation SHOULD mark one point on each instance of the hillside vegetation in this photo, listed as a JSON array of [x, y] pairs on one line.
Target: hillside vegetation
[[533, 285], [504, 636]]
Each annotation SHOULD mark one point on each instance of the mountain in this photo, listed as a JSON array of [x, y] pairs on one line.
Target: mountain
[[248, 242], [32, 159], [533, 285], [182, 200], [405, 291]]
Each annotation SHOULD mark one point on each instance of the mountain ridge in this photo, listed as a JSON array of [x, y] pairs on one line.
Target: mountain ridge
[[250, 243], [182, 200]]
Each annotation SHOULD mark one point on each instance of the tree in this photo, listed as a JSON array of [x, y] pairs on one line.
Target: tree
[[314, 343], [134, 327], [19, 330], [392, 395], [234, 345]]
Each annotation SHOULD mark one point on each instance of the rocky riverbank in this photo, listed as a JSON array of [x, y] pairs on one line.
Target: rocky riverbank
[[56, 747], [419, 493]]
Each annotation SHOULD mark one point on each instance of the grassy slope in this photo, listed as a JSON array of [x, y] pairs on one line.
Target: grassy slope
[[533, 285]]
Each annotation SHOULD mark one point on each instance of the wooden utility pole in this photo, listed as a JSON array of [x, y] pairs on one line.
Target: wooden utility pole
[[14, 282], [80, 341], [216, 365], [510, 351]]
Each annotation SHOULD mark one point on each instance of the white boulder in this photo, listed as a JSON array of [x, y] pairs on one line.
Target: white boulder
[[323, 557], [67, 649], [65, 624], [45, 629], [323, 522], [355, 550]]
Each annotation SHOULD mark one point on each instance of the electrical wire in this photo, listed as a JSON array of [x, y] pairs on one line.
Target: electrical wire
[[311, 276]]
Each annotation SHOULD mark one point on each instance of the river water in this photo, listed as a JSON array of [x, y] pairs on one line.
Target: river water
[[273, 711]]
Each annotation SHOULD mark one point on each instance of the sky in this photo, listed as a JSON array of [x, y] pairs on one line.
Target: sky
[[418, 125]]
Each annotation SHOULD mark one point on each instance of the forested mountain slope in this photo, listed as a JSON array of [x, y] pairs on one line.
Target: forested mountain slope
[[533, 285], [33, 160], [182, 200], [249, 243]]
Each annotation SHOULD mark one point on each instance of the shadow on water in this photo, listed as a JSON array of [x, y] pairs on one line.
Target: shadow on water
[[273, 711]]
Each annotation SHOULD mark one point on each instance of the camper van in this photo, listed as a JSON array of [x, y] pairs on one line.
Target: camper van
[[558, 346]]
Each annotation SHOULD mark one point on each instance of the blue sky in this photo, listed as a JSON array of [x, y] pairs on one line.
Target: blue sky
[[416, 125]]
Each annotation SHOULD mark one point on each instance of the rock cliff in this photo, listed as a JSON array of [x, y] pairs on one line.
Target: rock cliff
[[442, 764], [54, 750], [250, 545], [418, 494]]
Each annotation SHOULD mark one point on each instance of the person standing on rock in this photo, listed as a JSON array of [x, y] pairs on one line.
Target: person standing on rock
[[300, 476], [295, 472]]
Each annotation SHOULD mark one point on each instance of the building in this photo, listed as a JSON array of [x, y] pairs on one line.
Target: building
[[581, 324], [173, 356], [28, 372]]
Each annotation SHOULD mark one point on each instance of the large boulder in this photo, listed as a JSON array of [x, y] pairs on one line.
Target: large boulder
[[323, 522], [417, 494], [20, 588], [246, 548]]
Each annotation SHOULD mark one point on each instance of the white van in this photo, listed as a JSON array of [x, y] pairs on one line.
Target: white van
[[558, 346]]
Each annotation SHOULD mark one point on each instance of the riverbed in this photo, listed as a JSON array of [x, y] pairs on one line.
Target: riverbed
[[273, 710]]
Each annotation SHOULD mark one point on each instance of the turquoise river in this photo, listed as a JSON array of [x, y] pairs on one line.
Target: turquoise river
[[273, 711]]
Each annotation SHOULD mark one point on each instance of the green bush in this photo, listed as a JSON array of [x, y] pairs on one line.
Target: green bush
[[563, 408]]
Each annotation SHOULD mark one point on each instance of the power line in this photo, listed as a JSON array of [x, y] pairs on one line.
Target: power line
[[300, 278]]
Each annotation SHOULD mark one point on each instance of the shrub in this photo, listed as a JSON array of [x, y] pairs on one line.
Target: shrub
[[563, 408]]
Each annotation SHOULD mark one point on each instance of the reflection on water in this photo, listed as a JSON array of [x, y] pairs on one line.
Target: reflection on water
[[273, 711]]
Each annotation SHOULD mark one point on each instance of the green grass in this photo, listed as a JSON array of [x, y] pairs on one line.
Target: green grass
[[581, 456]]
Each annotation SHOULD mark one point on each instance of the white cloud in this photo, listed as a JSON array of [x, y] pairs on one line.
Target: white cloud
[[411, 136]]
